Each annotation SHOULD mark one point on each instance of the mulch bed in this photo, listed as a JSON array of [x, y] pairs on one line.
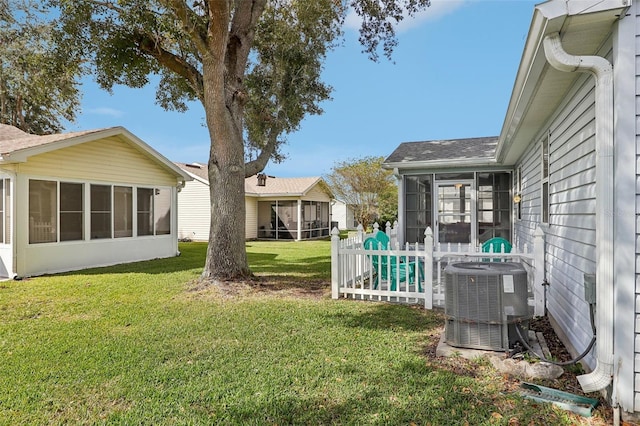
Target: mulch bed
[[567, 382]]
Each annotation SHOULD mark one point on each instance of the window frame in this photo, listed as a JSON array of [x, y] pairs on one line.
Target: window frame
[[545, 172], [155, 210], [52, 224], [517, 191], [122, 214], [103, 210], [66, 211], [96, 199]]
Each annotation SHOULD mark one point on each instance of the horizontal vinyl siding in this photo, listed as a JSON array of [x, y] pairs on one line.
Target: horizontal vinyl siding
[[570, 234], [316, 194], [194, 209], [107, 160], [570, 237], [530, 197], [251, 218]]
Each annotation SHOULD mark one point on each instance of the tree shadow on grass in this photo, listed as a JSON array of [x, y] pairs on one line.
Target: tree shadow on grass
[[304, 273], [310, 268], [388, 316], [407, 393], [192, 256]]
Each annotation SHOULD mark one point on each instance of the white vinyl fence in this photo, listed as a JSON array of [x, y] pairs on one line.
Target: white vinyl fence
[[354, 275]]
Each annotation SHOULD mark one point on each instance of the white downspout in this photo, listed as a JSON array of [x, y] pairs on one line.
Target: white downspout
[[602, 70]]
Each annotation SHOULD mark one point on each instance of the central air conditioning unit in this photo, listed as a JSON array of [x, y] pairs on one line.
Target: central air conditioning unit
[[483, 302]]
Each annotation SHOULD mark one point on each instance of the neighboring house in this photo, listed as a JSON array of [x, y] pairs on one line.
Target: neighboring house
[[276, 208], [566, 162], [343, 215], [84, 199]]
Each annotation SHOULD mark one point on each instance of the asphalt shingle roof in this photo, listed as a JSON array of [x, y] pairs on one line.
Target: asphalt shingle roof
[[13, 139], [438, 150], [273, 185]]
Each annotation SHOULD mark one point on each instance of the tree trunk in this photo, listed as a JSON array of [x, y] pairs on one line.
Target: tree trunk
[[226, 255]]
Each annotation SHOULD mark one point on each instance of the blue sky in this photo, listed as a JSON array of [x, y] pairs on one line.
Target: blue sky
[[451, 77]]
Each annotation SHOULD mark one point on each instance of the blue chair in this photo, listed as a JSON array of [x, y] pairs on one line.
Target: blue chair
[[389, 267]]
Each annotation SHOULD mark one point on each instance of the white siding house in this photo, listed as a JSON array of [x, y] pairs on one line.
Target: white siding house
[[84, 199], [193, 221], [275, 208], [571, 143], [343, 215]]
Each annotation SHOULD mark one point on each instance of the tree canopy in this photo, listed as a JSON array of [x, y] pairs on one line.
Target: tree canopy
[[38, 83], [365, 186], [255, 65]]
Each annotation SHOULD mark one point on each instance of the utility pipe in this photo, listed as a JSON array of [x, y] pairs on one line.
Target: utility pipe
[[602, 71]]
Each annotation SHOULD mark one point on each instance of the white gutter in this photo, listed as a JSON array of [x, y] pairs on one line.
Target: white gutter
[[602, 70], [459, 162]]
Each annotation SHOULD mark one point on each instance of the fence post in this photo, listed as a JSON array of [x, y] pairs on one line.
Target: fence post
[[360, 233], [538, 272], [428, 268], [335, 267], [387, 229], [376, 228]]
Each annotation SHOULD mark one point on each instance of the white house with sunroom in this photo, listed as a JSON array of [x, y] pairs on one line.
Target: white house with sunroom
[[566, 163], [84, 199], [276, 208]]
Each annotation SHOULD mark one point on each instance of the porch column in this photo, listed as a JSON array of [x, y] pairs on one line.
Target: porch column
[[299, 234], [401, 207]]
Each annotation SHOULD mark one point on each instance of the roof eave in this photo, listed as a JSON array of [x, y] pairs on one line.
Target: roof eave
[[548, 17], [22, 155], [449, 163]]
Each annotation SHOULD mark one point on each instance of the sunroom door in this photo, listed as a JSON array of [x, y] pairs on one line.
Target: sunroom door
[[455, 210]]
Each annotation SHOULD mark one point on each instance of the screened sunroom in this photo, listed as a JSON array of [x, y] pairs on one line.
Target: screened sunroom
[[293, 219], [455, 188], [465, 208]]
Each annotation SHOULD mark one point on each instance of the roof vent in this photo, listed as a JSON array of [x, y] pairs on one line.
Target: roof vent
[[262, 179]]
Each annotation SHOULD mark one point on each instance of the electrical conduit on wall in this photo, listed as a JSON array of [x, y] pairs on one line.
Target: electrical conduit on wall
[[602, 70]]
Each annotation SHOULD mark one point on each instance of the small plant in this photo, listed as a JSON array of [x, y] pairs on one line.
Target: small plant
[[575, 369]]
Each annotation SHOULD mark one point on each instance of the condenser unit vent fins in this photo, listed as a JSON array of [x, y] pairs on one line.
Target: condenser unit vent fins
[[482, 302]]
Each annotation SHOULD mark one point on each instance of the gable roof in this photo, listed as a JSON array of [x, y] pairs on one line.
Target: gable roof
[[196, 170], [17, 146], [13, 140], [274, 186], [469, 151]]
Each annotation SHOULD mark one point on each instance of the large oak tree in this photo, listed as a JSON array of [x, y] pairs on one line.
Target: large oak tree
[[255, 65], [38, 82]]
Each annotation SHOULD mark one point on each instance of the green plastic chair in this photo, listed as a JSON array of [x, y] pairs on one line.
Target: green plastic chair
[[389, 267], [496, 245], [383, 238]]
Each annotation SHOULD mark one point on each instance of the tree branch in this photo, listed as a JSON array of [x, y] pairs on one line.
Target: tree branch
[[173, 62], [189, 20], [255, 166], [241, 35]]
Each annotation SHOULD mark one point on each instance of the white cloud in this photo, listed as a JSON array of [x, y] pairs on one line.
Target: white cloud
[[112, 112], [437, 10]]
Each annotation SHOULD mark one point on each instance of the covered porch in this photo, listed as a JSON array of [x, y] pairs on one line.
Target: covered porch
[[293, 219]]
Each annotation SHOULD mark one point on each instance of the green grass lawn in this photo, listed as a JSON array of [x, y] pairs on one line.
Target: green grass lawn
[[142, 344]]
